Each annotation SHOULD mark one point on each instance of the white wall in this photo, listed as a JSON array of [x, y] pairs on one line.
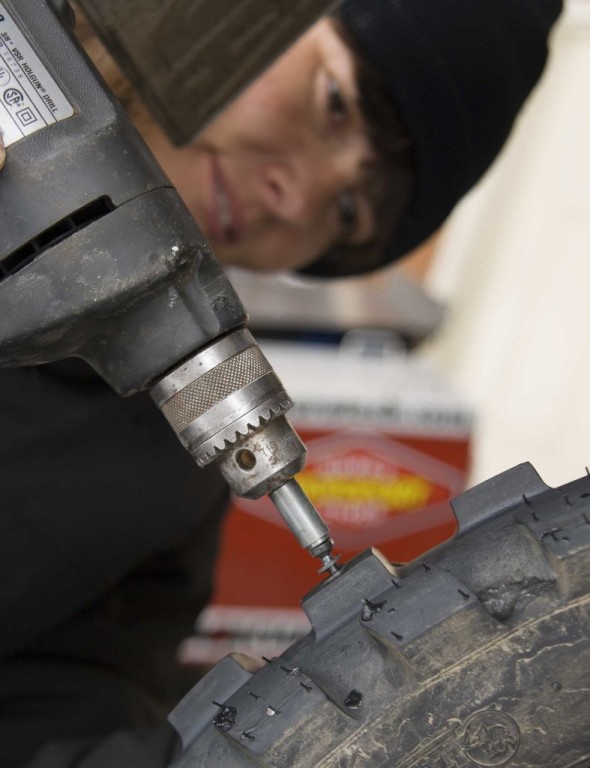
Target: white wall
[[514, 267]]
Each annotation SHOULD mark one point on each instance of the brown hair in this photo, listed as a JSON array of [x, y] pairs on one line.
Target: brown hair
[[114, 77]]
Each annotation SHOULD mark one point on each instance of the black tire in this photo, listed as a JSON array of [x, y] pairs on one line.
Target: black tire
[[478, 656]]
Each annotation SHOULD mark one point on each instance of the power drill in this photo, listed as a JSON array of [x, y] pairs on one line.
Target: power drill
[[100, 259]]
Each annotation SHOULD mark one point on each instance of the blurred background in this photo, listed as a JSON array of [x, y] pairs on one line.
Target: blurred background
[[498, 302], [512, 268]]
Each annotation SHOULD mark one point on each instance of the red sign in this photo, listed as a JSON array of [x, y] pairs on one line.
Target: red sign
[[361, 484]]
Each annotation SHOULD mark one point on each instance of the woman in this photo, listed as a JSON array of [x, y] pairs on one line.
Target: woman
[[355, 146]]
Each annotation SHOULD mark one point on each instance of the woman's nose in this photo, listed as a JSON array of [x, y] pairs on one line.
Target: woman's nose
[[295, 188]]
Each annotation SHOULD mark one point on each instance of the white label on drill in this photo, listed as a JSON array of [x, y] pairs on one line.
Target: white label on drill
[[30, 99]]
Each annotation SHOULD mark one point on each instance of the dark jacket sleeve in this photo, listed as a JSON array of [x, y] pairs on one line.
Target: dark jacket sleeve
[[90, 486], [108, 537], [155, 748]]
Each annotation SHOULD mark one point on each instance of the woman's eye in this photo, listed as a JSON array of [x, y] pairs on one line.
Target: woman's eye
[[347, 212], [337, 106]]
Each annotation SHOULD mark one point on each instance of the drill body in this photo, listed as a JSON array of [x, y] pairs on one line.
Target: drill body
[[100, 259]]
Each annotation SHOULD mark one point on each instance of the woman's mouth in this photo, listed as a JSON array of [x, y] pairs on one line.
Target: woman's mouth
[[223, 210]]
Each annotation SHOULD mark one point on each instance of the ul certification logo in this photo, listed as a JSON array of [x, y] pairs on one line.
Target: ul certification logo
[[491, 738], [13, 97]]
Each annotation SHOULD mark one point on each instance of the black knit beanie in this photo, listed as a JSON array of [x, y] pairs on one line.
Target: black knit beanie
[[458, 71]]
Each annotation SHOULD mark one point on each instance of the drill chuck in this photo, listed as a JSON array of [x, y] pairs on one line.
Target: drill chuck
[[227, 405]]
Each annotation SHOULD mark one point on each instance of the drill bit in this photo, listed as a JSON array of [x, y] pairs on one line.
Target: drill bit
[[305, 522]]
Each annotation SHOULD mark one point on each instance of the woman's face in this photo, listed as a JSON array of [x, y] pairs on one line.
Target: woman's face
[[278, 177]]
